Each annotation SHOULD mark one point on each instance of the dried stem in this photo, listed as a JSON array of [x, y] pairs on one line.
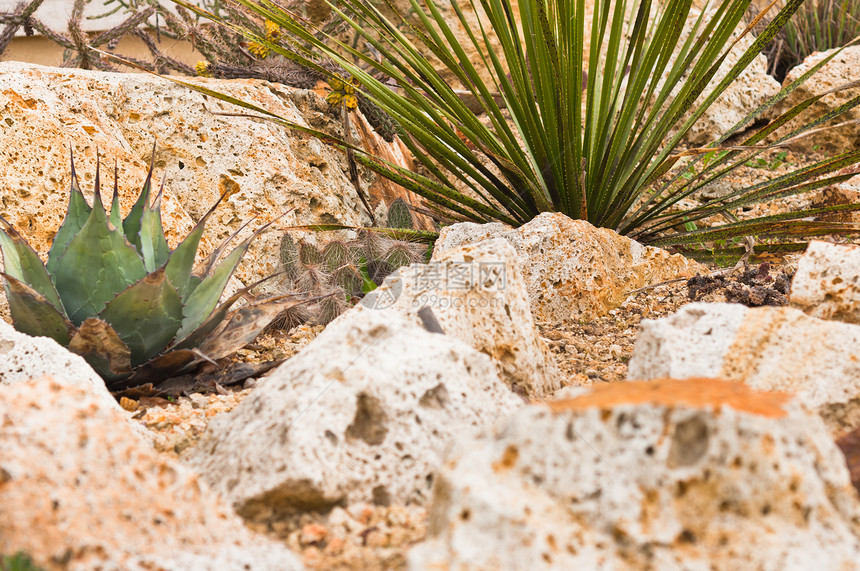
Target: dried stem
[[20, 17]]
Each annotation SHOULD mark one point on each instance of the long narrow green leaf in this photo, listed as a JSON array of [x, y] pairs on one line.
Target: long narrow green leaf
[[588, 145]]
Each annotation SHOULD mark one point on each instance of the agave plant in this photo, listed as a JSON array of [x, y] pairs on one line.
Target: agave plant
[[594, 133], [113, 291]]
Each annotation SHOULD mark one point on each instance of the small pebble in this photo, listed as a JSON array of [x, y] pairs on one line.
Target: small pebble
[[313, 533], [128, 404]]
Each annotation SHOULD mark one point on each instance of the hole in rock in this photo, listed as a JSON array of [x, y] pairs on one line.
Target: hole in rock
[[689, 443], [370, 420], [437, 397]]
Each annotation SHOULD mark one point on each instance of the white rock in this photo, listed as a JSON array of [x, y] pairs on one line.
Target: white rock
[[78, 486], [24, 358], [769, 348], [478, 295], [462, 233], [572, 269], [827, 282], [840, 70], [697, 474], [363, 413]]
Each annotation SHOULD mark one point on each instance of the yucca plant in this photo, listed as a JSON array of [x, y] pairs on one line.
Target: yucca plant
[[113, 291], [605, 149]]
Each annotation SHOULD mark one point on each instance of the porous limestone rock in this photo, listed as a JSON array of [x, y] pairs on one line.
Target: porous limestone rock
[[266, 169], [478, 295], [843, 193], [768, 348], [572, 269], [840, 70], [24, 358], [827, 282], [79, 491], [363, 413], [696, 474]]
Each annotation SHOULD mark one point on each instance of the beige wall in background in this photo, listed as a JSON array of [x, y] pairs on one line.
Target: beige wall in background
[[42, 51], [55, 15]]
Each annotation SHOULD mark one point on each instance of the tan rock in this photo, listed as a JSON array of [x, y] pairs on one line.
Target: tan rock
[[363, 414], [572, 269], [267, 169], [840, 70], [79, 490], [477, 294], [827, 282], [768, 348], [697, 474]]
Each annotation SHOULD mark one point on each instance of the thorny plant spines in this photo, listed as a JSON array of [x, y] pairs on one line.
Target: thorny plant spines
[[342, 270]]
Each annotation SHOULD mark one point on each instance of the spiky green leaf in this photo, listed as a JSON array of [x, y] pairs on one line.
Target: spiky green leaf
[[180, 264], [115, 218], [33, 314], [131, 225], [98, 263], [214, 320], [76, 215], [202, 301], [22, 262], [146, 316]]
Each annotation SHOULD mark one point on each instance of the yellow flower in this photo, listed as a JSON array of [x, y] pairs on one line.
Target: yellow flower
[[350, 101], [203, 69], [273, 32], [258, 50], [342, 92], [334, 98]]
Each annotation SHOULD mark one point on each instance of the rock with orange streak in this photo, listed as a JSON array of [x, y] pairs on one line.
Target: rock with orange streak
[[668, 474], [768, 348]]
